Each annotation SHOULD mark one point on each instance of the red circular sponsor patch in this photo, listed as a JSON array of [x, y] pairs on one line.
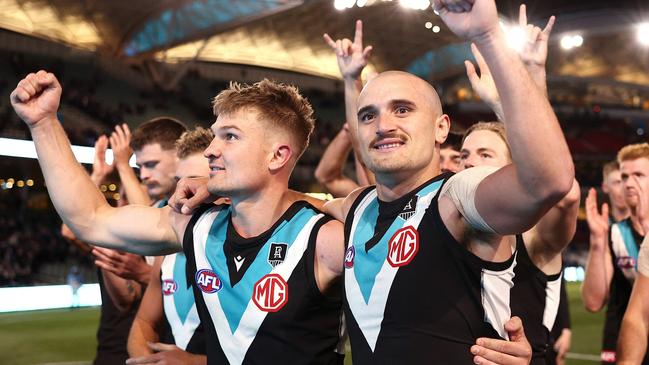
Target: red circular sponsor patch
[[349, 257], [169, 286], [207, 281], [403, 246], [270, 293]]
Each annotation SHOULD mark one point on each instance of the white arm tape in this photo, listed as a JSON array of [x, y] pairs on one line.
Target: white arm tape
[[461, 188], [643, 257]]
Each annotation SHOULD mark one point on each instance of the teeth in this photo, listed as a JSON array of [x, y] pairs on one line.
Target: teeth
[[389, 145]]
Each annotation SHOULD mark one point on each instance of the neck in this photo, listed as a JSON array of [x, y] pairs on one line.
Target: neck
[[392, 186], [255, 213], [620, 213], [636, 222]]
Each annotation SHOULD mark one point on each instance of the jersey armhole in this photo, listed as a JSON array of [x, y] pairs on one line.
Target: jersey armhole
[[309, 260], [349, 219]]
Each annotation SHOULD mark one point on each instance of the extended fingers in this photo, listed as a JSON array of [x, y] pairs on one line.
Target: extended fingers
[[522, 16], [548, 27], [358, 33], [329, 41]]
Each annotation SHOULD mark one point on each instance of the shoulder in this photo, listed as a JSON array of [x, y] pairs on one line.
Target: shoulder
[[466, 180]]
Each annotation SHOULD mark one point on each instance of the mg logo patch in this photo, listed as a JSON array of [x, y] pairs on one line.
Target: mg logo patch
[[403, 246], [349, 257], [207, 281], [169, 287], [626, 262], [277, 253], [270, 293], [409, 210]]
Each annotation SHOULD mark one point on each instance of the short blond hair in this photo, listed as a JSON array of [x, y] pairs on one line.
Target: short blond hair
[[496, 127], [279, 104], [633, 152], [193, 141]]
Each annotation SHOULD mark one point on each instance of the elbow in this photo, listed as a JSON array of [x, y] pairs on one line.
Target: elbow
[[321, 176], [561, 189], [592, 305]]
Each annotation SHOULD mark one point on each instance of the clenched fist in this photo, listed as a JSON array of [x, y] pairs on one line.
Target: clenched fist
[[36, 97]]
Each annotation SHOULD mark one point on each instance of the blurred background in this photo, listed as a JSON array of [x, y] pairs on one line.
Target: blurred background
[[128, 61]]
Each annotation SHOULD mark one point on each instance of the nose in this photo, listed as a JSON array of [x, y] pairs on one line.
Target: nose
[[469, 161], [145, 173], [385, 125], [213, 150]]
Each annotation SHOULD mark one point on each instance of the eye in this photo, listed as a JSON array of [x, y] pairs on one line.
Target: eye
[[401, 110], [464, 156], [485, 155], [366, 117], [231, 137]]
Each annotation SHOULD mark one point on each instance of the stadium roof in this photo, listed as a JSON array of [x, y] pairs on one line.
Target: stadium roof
[[287, 34]]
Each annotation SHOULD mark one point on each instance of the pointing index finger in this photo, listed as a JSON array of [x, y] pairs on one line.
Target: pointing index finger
[[548, 28], [329, 41]]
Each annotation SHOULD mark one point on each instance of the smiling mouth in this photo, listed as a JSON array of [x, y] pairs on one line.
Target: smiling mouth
[[385, 146], [216, 169]]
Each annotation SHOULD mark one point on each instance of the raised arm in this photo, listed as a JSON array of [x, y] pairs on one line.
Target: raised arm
[[82, 207], [554, 232], [352, 58], [514, 198], [332, 163], [599, 267], [122, 152]]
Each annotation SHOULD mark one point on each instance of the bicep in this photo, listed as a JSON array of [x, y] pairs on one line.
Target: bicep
[[329, 253], [506, 205], [134, 228]]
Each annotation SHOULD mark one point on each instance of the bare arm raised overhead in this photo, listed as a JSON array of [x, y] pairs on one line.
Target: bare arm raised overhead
[[514, 198], [82, 207]]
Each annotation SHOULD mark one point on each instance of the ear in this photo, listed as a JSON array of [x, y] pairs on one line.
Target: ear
[[282, 154], [442, 128]]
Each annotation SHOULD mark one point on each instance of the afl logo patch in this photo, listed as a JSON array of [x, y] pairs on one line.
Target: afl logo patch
[[349, 257], [626, 262], [270, 293], [207, 281], [403, 246], [169, 286]]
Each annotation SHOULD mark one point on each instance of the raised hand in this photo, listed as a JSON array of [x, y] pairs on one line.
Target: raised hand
[[352, 56], [119, 142], [36, 97], [535, 49], [597, 223], [484, 84], [100, 169], [190, 194], [469, 19], [516, 351]]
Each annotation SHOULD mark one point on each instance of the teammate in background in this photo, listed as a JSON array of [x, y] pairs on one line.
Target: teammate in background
[[266, 242], [536, 295], [330, 170], [449, 153], [123, 275], [398, 116], [613, 187], [613, 253], [120, 295], [167, 319], [632, 343]]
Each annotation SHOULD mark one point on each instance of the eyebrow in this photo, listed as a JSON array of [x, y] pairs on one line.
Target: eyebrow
[[392, 103], [229, 127]]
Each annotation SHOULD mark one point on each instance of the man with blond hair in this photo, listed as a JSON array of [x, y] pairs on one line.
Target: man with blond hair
[[265, 268], [613, 254]]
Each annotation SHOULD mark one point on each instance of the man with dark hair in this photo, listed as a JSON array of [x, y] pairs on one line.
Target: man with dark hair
[[167, 321]]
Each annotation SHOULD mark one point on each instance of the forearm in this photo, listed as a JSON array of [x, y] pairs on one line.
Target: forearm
[[122, 292], [538, 75], [333, 159], [632, 342], [353, 89], [75, 197], [131, 185], [363, 175], [594, 290], [141, 333], [543, 163]]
